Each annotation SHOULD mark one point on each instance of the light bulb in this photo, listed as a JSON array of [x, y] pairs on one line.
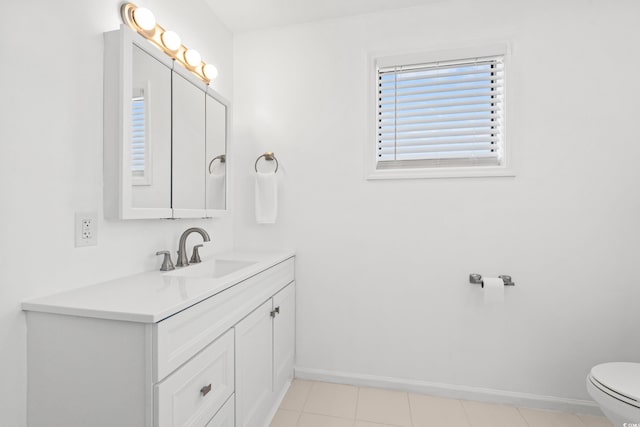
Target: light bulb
[[144, 18], [171, 40], [192, 57], [210, 71]]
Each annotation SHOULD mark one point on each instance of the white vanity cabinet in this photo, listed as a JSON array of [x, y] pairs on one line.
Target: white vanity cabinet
[[284, 336], [175, 351], [210, 372], [226, 416], [264, 357], [254, 362]]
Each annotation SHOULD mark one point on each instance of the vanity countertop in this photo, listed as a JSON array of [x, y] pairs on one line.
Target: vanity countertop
[[153, 296]]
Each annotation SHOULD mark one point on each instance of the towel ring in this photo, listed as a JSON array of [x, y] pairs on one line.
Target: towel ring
[[221, 157], [267, 156]]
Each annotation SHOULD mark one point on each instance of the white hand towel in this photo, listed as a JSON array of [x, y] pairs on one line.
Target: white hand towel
[[266, 198], [215, 191]]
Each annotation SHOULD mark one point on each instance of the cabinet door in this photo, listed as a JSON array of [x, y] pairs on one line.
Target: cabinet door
[[225, 417], [216, 135], [188, 149], [150, 143], [254, 363], [284, 335], [137, 128]]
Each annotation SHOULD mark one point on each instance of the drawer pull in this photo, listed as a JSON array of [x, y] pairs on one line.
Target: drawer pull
[[206, 389]]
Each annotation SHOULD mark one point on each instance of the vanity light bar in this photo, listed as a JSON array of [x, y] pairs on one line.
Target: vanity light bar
[[144, 23]]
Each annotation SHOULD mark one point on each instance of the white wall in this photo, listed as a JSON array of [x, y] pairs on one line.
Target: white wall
[[382, 266], [51, 162]]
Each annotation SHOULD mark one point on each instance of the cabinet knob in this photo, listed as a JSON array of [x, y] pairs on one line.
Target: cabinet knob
[[275, 311], [206, 389]]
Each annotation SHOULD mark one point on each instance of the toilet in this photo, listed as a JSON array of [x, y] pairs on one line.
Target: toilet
[[616, 388]]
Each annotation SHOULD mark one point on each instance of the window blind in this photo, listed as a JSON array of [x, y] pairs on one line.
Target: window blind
[[446, 114], [138, 137]]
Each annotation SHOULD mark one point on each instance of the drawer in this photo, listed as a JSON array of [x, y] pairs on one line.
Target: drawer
[[179, 337], [195, 392], [226, 417]]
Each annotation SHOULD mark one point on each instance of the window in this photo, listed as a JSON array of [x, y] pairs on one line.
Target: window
[[440, 118], [140, 148]]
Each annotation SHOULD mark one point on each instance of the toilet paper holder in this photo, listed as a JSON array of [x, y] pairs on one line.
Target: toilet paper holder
[[476, 279]]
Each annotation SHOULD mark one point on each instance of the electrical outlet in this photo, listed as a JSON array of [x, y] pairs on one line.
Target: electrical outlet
[[86, 229]]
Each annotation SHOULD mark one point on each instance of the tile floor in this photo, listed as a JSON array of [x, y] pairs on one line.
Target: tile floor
[[318, 404]]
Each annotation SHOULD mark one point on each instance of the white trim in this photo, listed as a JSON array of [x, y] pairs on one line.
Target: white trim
[[216, 213], [188, 76], [278, 402], [371, 172], [512, 398], [145, 45], [470, 172], [148, 213], [443, 55], [181, 213]]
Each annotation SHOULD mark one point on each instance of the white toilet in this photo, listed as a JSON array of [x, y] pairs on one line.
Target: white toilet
[[616, 388]]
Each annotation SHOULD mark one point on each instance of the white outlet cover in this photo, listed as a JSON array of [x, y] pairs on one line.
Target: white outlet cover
[[86, 229]]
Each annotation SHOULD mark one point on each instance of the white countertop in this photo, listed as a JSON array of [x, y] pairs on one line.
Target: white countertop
[[152, 296]]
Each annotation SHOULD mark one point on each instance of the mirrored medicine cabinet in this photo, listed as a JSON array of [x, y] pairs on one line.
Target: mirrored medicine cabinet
[[165, 135]]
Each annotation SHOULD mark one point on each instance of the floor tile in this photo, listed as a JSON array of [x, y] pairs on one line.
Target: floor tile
[[538, 418], [332, 399], [429, 411], [593, 421], [491, 415], [314, 420], [368, 424], [297, 395], [383, 406], [318, 404], [284, 418]]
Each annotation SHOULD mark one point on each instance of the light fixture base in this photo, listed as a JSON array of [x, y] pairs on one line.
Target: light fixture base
[[155, 36]]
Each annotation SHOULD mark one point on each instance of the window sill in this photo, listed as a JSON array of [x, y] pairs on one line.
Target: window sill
[[421, 173]]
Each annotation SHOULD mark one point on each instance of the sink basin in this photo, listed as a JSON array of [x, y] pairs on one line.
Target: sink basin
[[215, 268]]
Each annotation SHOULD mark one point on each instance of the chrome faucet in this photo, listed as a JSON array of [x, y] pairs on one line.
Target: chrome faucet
[[182, 250]]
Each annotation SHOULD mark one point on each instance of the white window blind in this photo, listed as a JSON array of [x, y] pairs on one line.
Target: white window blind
[[138, 139], [444, 114]]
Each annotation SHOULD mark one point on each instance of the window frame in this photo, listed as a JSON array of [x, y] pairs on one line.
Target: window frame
[[376, 61]]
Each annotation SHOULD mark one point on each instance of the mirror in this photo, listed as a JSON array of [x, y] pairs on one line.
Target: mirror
[[200, 123], [216, 153], [165, 135], [150, 136], [188, 129]]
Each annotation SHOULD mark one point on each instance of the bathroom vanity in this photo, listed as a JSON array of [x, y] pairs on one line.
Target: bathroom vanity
[[211, 344]]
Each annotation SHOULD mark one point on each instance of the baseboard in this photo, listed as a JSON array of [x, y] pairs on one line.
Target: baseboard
[[452, 391], [277, 402]]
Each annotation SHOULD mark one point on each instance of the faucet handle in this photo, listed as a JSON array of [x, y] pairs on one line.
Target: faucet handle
[[195, 256], [167, 264]]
